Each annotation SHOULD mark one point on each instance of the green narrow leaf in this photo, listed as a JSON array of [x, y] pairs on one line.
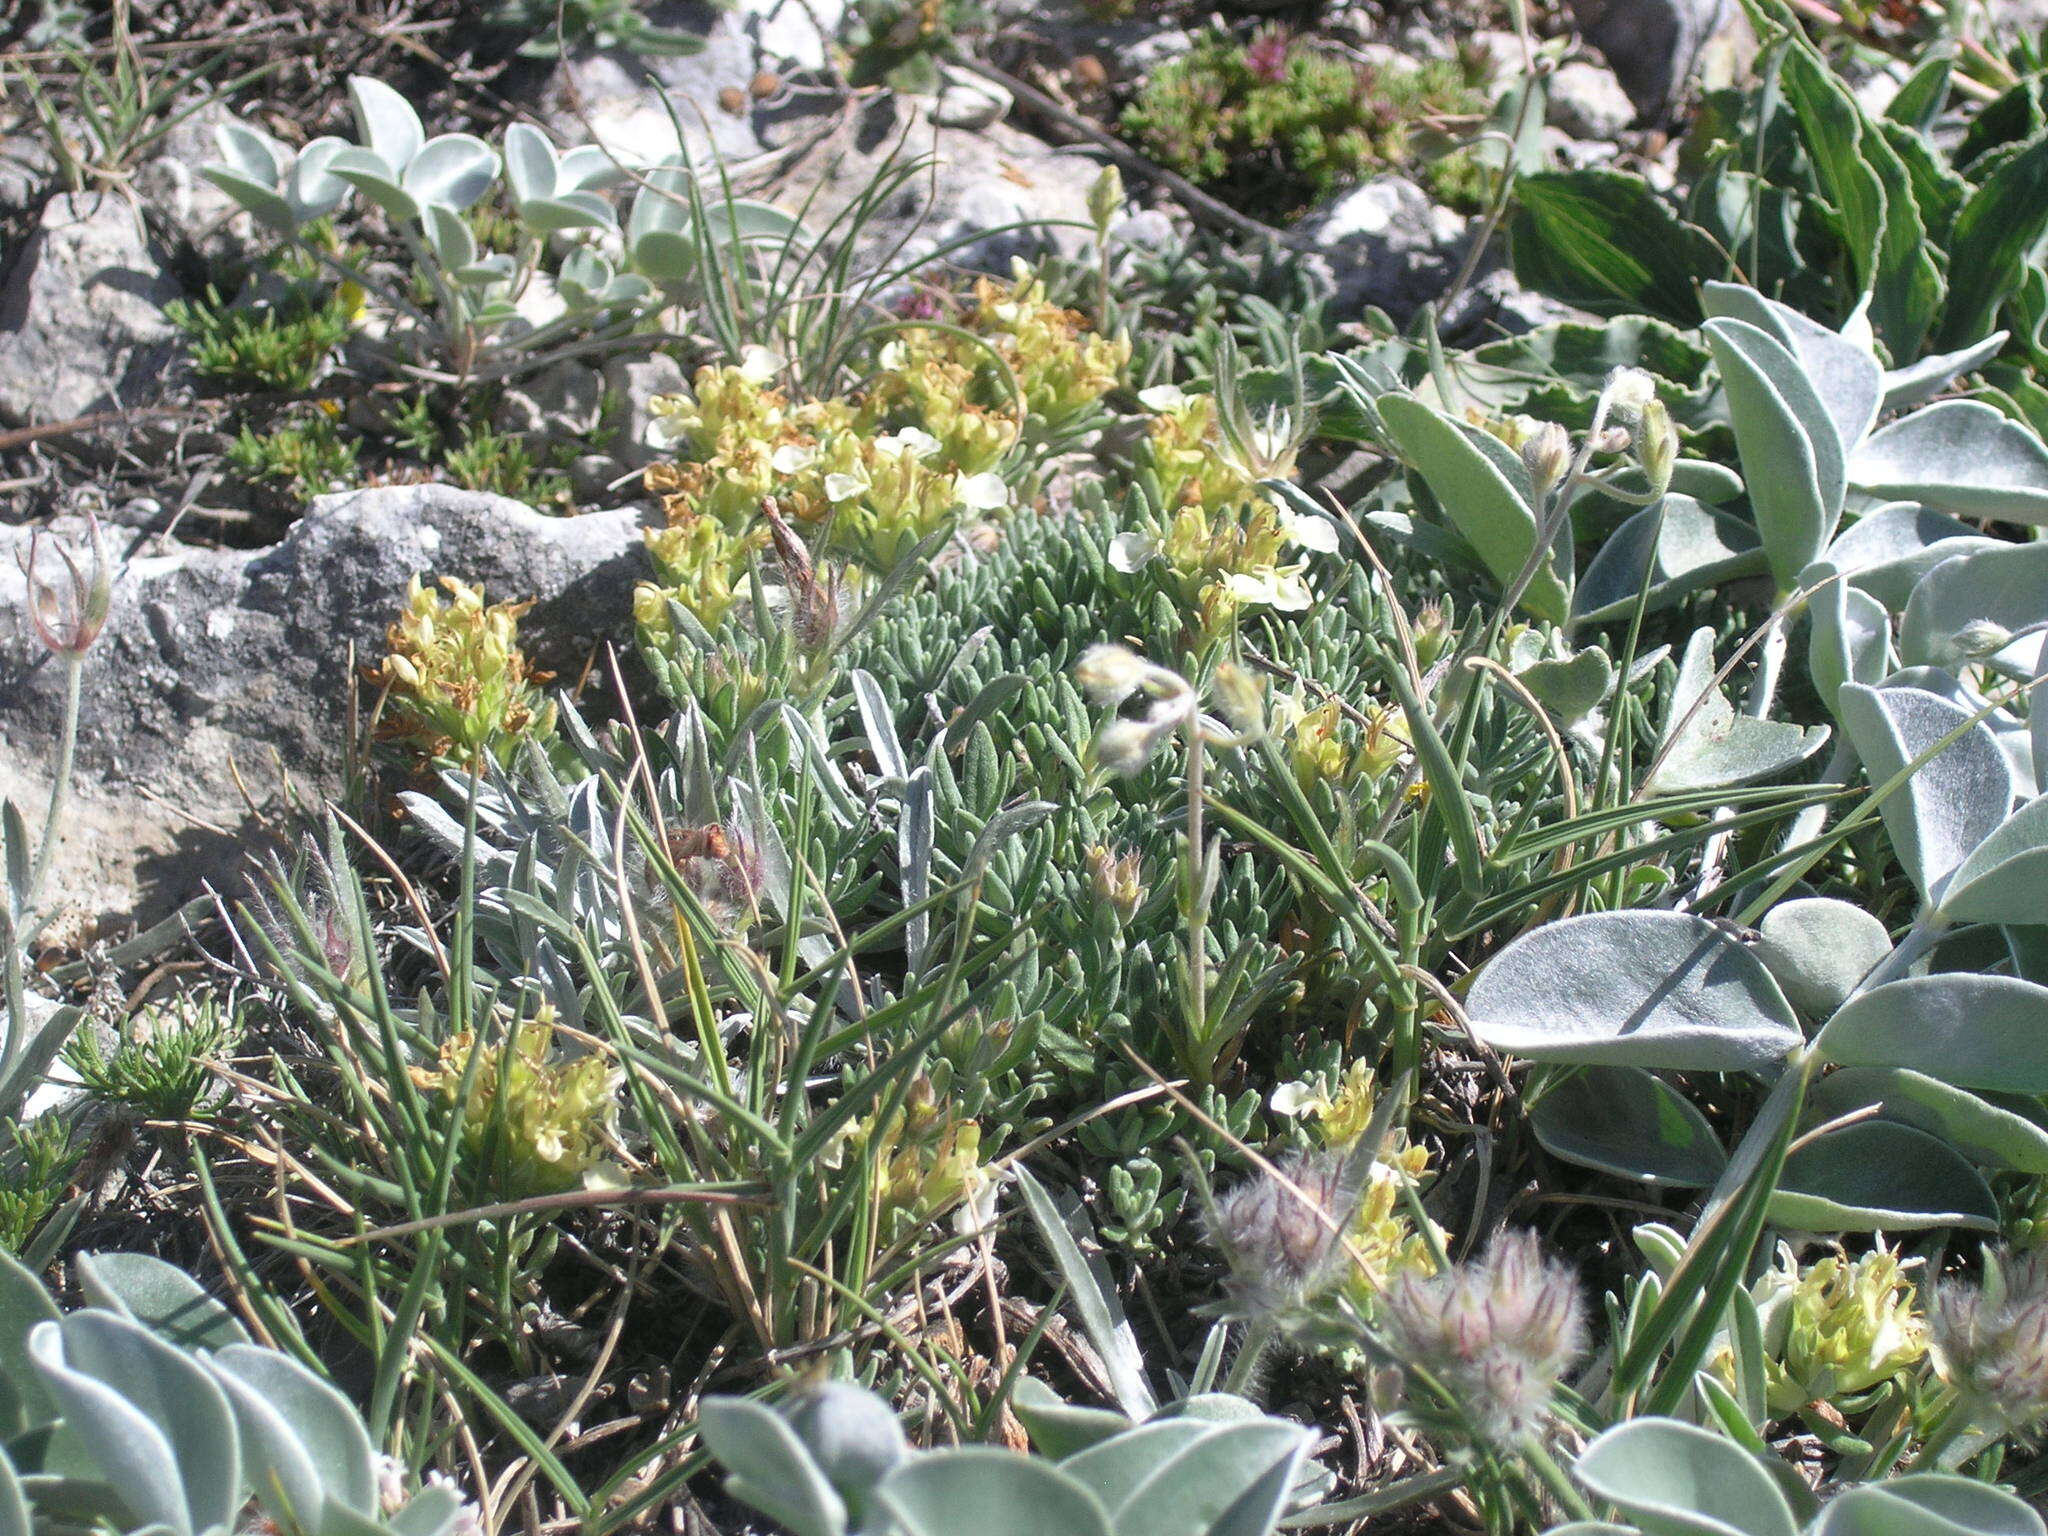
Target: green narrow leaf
[[1995, 237], [1605, 241]]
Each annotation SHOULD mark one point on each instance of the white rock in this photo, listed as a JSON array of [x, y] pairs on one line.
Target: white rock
[[966, 100], [793, 33], [1587, 101]]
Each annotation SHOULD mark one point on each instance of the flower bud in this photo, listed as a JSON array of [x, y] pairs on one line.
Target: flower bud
[[69, 607], [1105, 199], [1547, 454], [1981, 638], [1278, 1233], [1657, 446], [1432, 631], [1991, 1339], [1240, 697], [1114, 875], [1628, 391], [1109, 674], [1122, 747]]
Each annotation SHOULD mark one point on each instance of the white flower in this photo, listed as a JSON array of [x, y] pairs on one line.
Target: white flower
[[909, 440], [1123, 746], [1130, 552], [984, 492], [758, 365], [977, 1212], [1309, 530], [840, 488], [1296, 1099], [794, 458], [1164, 398], [666, 429], [894, 355], [1279, 587]]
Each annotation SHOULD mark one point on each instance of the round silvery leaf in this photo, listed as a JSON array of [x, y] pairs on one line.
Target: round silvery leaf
[[454, 170], [1962, 457], [265, 204], [1819, 948], [1925, 379], [1672, 1478], [161, 1297], [1987, 1032], [626, 288], [312, 191], [572, 210], [664, 256], [1844, 372], [1951, 802], [768, 1467], [1694, 547], [530, 165], [1651, 989], [1927, 1504], [1622, 1120], [2005, 878], [662, 205], [1879, 1176], [1791, 449], [449, 234], [589, 168], [385, 123], [481, 274], [366, 171], [305, 1421], [1705, 744], [1571, 689], [1983, 1132], [1114, 1469], [1885, 551], [2005, 586], [252, 154], [1850, 634], [990, 1492], [1234, 1480]]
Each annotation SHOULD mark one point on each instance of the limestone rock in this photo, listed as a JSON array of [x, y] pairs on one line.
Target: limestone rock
[[1652, 45], [1587, 101], [223, 663], [1386, 244], [82, 323]]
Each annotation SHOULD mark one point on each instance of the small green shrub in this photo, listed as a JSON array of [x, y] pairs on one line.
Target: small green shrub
[[306, 456], [281, 346], [158, 1069], [1273, 124], [489, 460]]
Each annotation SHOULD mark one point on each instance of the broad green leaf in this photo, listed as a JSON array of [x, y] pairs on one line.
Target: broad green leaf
[[1958, 456], [1675, 1479], [368, 174], [1696, 547], [1605, 241], [265, 203], [768, 1468], [1845, 375], [1879, 1176], [2005, 586], [988, 1492], [161, 1297], [1791, 452], [1705, 744], [1819, 948], [1952, 802], [1994, 238], [1479, 499], [1624, 1121], [1973, 1031], [529, 162], [2005, 878], [1234, 1482], [1650, 988], [1928, 1504], [453, 169], [1981, 1131]]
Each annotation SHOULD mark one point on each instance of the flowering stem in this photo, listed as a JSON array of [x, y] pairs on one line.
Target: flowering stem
[[1939, 1449], [1258, 1338], [60, 789], [1536, 1456], [1197, 898]]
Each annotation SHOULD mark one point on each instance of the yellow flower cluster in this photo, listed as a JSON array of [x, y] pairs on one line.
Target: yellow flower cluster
[[1837, 1327], [459, 684], [1224, 547], [926, 1160], [865, 477], [1382, 1233], [1324, 746], [536, 1125]]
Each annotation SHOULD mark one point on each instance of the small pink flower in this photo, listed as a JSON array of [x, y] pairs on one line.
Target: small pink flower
[[1267, 54]]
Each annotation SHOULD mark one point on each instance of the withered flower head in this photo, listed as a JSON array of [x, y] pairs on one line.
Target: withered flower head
[[68, 607]]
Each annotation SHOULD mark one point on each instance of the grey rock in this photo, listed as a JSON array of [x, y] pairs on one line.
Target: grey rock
[[1385, 244], [792, 32], [629, 383], [1652, 45], [223, 663], [979, 185], [82, 324], [558, 404], [624, 102], [26, 173], [1587, 101], [966, 100]]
